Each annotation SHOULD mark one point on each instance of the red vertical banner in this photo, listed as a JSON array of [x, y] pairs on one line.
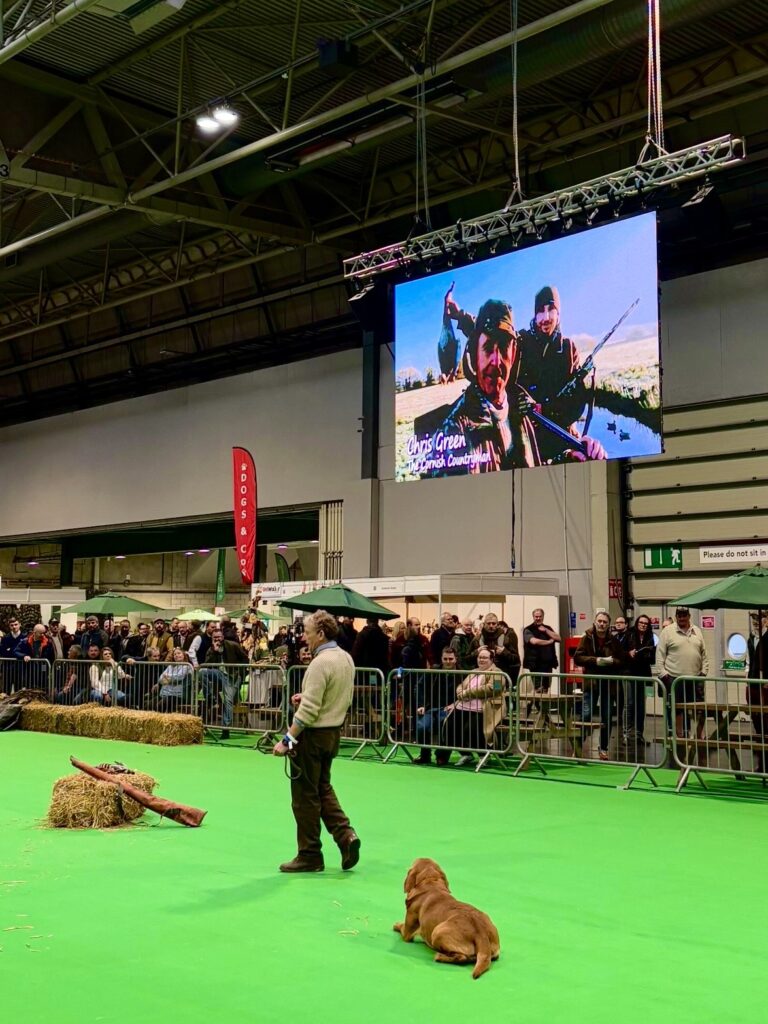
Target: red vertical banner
[[244, 479]]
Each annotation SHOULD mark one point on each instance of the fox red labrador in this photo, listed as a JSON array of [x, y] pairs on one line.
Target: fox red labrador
[[458, 932]]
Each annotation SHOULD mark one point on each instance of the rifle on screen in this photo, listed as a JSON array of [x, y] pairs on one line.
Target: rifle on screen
[[589, 363]]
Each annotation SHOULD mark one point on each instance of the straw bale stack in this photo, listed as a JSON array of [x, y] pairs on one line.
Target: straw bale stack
[[79, 801], [162, 729]]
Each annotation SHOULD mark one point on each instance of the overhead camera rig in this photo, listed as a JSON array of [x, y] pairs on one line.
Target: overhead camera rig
[[531, 216]]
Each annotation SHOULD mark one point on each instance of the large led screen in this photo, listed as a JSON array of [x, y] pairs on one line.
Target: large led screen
[[540, 356]]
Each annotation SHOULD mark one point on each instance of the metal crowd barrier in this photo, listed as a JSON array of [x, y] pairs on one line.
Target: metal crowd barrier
[[76, 681], [17, 674], [366, 720], [584, 719], [719, 725], [423, 713], [248, 698], [263, 705]]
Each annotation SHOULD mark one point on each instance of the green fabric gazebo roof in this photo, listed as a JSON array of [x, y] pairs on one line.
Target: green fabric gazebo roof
[[112, 604], [339, 600], [747, 589]]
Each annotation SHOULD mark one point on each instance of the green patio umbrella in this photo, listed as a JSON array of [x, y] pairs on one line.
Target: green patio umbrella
[[265, 616], [112, 604], [747, 589], [339, 600], [198, 613]]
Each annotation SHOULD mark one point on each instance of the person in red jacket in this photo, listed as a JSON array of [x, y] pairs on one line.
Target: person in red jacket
[[37, 652]]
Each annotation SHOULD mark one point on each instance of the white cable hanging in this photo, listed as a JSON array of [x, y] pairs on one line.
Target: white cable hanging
[[422, 167], [654, 136], [517, 192]]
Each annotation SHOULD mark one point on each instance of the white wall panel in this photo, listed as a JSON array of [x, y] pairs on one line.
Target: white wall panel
[[167, 456], [715, 500], [647, 476], [713, 347]]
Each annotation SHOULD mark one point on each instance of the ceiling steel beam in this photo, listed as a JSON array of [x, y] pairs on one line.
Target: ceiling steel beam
[[614, 101], [166, 40], [45, 134], [219, 266], [137, 199], [38, 80], [44, 24], [188, 321], [112, 198], [308, 125]]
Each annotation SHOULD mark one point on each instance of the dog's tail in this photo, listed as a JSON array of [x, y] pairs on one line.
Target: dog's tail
[[484, 953]]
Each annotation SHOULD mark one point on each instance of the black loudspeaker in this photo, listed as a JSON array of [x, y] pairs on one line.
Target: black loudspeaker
[[337, 57], [371, 303]]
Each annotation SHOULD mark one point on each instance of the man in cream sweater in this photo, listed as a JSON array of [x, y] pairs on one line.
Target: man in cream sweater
[[681, 652], [313, 741]]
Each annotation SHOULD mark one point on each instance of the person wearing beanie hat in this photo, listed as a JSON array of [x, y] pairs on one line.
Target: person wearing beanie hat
[[548, 361], [484, 431]]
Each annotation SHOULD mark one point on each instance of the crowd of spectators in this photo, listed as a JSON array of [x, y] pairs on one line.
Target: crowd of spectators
[[448, 680]]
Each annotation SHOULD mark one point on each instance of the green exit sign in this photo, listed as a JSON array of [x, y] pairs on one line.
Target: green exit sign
[[659, 557], [732, 665]]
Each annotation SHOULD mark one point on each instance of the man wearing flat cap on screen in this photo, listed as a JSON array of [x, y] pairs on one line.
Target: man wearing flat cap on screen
[[486, 430]]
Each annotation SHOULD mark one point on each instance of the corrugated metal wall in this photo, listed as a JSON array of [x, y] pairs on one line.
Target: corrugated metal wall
[[709, 487]]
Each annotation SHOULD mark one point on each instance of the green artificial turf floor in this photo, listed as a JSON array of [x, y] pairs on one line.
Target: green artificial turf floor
[[612, 906]]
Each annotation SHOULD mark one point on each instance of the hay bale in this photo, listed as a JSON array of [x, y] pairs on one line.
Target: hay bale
[[80, 801], [161, 728]]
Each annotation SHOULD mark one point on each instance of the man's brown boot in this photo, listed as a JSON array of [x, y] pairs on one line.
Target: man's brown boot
[[350, 851], [302, 864]]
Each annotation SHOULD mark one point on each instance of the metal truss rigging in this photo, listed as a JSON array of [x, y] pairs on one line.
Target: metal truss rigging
[[532, 215]]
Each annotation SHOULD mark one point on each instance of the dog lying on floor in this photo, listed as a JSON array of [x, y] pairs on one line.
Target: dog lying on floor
[[459, 932]]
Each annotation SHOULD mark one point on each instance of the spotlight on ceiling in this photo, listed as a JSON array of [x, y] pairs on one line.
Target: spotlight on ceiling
[[188, 553], [217, 119], [119, 558], [226, 116], [699, 196], [203, 551], [207, 124], [32, 562]]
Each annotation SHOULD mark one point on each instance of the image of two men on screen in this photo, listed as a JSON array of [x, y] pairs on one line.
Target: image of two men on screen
[[578, 380]]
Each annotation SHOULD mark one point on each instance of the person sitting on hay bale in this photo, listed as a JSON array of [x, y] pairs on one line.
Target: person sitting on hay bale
[[175, 685], [104, 678]]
